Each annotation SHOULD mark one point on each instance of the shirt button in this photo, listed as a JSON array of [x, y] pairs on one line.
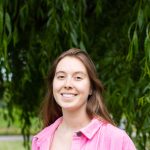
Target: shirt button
[[79, 133]]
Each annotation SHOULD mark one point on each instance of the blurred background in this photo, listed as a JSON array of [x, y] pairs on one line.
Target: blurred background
[[116, 34]]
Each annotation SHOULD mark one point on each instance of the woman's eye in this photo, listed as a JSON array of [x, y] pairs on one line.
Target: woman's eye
[[78, 78], [61, 77]]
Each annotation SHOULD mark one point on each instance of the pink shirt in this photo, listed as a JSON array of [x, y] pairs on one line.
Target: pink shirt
[[97, 135]]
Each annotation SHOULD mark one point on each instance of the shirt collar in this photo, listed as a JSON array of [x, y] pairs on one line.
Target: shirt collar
[[90, 130], [48, 131]]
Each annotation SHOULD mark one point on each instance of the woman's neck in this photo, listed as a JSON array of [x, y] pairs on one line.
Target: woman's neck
[[74, 121]]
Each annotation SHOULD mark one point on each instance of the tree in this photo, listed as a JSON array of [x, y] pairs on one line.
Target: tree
[[115, 33]]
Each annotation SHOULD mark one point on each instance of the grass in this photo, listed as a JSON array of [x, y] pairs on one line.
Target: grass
[[7, 127], [11, 145]]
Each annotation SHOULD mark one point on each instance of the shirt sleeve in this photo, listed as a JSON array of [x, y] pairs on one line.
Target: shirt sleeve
[[127, 143]]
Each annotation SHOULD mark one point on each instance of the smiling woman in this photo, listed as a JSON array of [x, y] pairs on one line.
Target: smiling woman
[[74, 114], [71, 85]]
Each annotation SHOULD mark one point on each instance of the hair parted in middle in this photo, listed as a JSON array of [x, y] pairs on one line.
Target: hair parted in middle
[[95, 103]]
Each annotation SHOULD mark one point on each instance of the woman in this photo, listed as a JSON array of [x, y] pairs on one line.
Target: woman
[[74, 114]]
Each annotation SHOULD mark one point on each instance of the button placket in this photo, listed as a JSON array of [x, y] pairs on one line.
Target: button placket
[[76, 141]]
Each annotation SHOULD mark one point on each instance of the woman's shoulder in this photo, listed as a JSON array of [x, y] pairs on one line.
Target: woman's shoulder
[[117, 135], [113, 131], [48, 130], [109, 129]]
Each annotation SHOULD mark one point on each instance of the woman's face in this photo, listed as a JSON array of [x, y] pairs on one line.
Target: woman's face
[[71, 84]]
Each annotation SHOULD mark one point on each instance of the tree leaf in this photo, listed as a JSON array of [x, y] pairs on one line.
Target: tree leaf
[[147, 48], [140, 19], [73, 35], [135, 42], [1, 23], [8, 23]]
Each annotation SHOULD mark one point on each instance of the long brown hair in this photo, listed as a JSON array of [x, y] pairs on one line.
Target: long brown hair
[[95, 104]]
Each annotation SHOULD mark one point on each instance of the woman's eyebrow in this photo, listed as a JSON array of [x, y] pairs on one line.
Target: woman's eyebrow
[[75, 73], [80, 72], [59, 72]]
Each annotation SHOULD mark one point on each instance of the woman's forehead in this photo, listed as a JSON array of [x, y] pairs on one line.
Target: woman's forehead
[[69, 63]]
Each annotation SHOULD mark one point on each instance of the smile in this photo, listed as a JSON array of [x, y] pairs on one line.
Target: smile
[[68, 95]]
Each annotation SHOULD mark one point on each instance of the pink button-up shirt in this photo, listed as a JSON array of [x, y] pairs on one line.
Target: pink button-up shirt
[[97, 135]]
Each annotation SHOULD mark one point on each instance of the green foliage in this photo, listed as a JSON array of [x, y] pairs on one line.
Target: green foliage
[[7, 145], [115, 33]]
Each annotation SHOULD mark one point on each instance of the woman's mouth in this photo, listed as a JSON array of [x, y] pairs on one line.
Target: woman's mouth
[[68, 95]]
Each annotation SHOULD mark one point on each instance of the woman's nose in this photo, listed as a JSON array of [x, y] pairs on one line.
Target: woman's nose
[[68, 83]]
